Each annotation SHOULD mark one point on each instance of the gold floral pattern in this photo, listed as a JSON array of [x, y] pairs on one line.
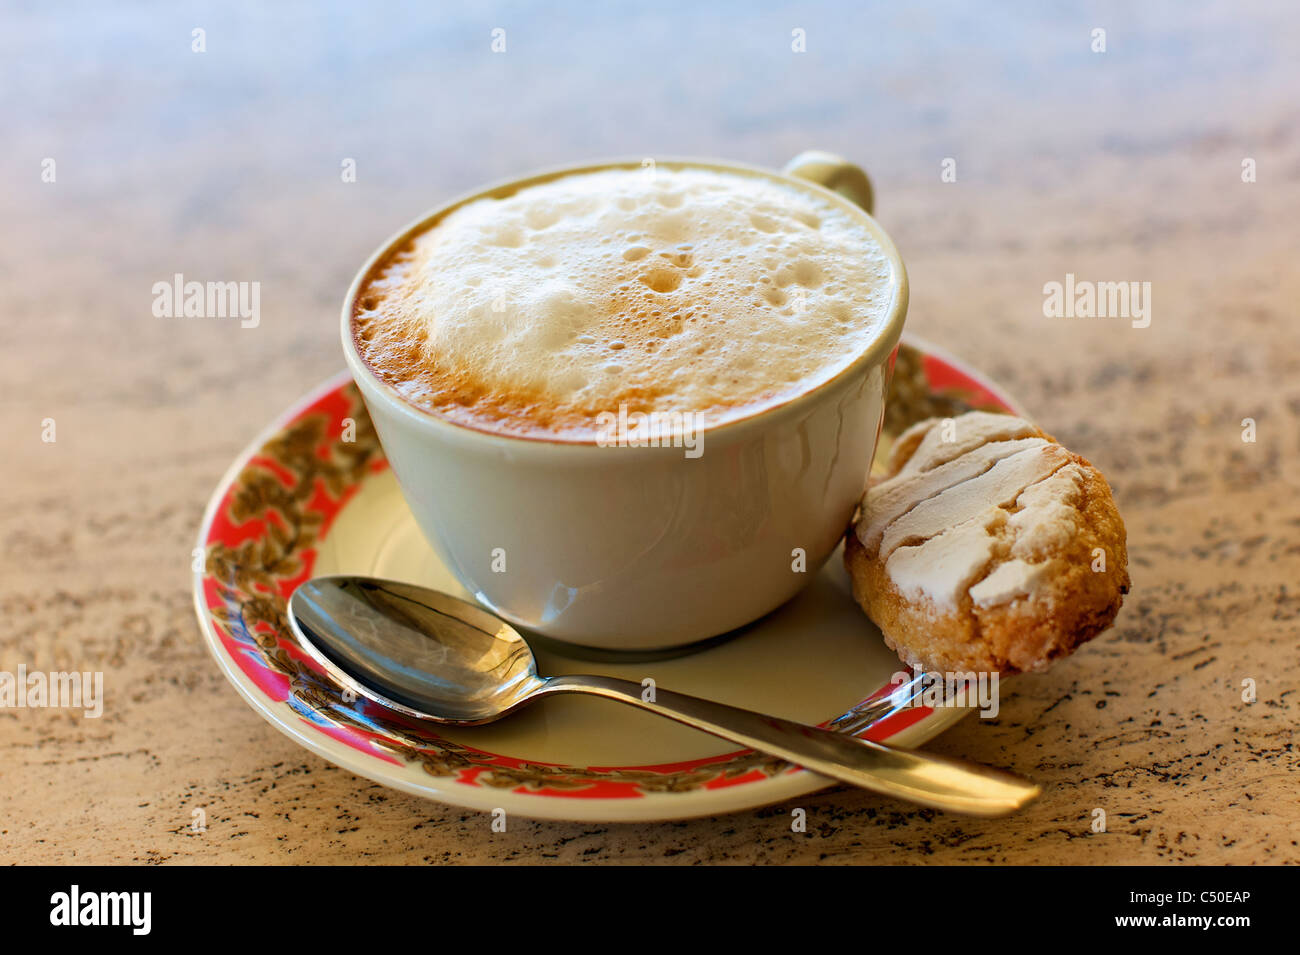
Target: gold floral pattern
[[913, 398]]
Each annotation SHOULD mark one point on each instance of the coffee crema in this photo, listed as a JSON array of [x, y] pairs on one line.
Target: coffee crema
[[674, 291]]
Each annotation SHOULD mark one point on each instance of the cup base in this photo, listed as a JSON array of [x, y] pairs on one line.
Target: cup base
[[578, 651]]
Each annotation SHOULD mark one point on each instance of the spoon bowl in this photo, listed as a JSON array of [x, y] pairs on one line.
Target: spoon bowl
[[418, 651]]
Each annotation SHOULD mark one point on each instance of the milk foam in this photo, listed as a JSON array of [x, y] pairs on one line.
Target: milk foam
[[668, 291]]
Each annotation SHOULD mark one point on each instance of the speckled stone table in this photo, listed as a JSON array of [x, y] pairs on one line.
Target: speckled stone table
[[1171, 157]]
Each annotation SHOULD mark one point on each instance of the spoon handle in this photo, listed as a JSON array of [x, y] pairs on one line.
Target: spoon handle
[[936, 781]]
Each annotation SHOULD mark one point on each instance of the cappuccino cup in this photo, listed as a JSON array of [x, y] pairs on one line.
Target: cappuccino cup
[[632, 405]]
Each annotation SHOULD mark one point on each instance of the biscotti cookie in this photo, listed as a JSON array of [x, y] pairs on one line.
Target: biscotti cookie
[[987, 546]]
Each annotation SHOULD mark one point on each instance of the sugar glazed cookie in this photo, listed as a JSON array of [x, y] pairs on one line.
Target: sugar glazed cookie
[[986, 546]]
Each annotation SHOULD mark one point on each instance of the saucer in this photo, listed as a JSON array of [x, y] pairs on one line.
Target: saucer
[[314, 495]]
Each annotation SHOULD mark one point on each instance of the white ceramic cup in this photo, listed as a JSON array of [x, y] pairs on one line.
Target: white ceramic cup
[[645, 548]]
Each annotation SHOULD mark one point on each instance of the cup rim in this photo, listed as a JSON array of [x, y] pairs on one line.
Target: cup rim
[[373, 386]]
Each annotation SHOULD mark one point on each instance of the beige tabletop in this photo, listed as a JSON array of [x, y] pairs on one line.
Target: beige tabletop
[[1170, 157]]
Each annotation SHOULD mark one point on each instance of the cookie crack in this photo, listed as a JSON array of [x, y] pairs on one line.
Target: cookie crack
[[1005, 539], [989, 466], [884, 531], [916, 540]]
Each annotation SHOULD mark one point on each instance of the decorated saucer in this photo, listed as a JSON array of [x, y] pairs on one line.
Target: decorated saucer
[[314, 495]]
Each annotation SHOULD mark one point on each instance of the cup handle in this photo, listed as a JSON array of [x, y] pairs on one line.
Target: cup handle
[[835, 173]]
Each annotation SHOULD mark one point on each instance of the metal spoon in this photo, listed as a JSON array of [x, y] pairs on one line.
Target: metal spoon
[[437, 658]]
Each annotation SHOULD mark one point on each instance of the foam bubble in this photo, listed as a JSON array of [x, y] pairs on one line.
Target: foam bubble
[[719, 293]]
